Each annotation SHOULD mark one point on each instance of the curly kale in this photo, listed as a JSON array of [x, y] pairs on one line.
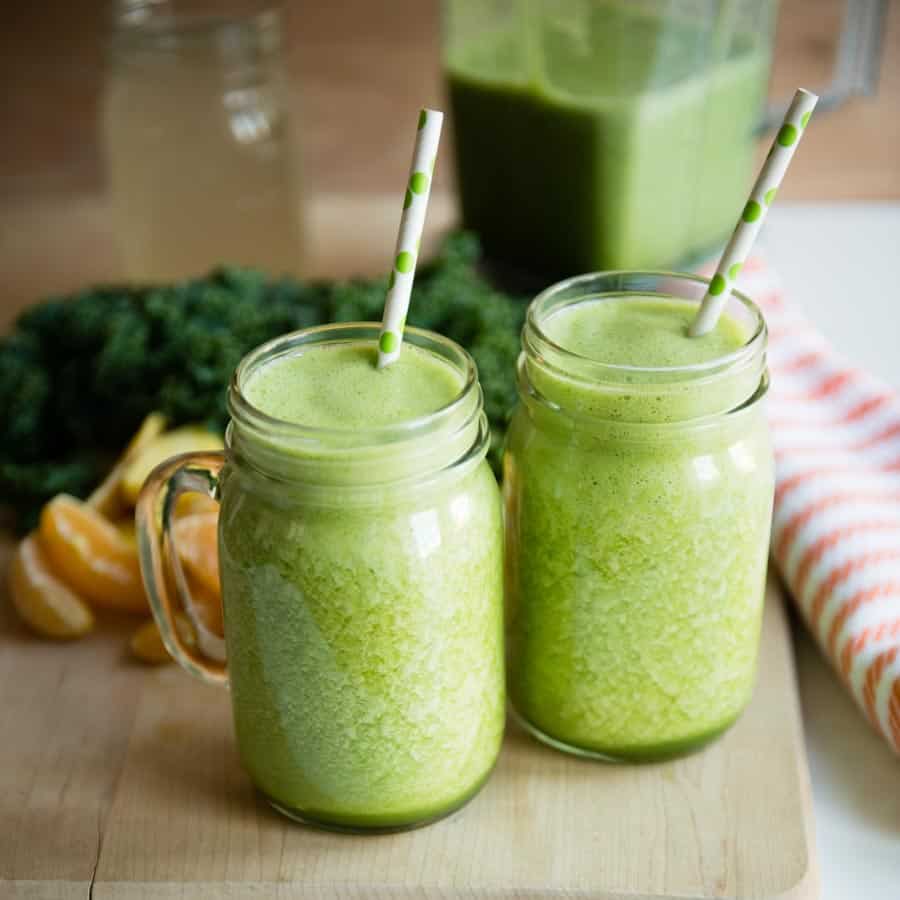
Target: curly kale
[[78, 374]]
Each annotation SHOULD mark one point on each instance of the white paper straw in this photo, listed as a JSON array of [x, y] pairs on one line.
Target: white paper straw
[[412, 222], [761, 197]]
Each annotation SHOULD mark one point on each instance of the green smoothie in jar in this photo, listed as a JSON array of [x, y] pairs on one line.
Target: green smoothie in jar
[[638, 484], [360, 548]]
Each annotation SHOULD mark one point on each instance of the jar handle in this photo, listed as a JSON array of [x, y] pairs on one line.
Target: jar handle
[[185, 474]]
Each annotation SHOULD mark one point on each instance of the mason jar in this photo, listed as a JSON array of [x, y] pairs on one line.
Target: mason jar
[[201, 135], [638, 504], [361, 575]]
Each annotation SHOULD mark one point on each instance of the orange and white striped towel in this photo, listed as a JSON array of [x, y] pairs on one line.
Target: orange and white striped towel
[[836, 527]]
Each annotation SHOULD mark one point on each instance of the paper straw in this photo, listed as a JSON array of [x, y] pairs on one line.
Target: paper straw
[[415, 204], [761, 197]]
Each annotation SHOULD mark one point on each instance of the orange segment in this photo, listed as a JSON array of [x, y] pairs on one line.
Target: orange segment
[[186, 439], [188, 504], [105, 497], [207, 605], [195, 537], [147, 644], [126, 528], [42, 600], [91, 555]]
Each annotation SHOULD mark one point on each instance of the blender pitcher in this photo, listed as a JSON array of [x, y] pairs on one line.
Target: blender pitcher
[[609, 134]]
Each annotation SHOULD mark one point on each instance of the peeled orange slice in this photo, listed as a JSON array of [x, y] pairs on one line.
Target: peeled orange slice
[[126, 528], [47, 605], [106, 498], [207, 605], [195, 537], [91, 555], [144, 461], [147, 644], [188, 504]]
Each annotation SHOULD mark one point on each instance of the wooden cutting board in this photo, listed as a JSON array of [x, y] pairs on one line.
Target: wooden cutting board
[[122, 781]]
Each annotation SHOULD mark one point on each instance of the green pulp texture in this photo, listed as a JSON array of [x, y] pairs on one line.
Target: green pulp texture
[[340, 387], [364, 630], [636, 560], [624, 142]]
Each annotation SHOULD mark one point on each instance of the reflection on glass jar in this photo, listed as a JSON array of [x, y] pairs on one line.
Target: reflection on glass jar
[[638, 502], [200, 143]]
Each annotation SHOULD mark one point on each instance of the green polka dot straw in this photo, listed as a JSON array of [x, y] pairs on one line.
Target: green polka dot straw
[[754, 212], [412, 221]]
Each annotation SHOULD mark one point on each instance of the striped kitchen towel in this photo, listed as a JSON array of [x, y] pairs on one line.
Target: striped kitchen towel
[[836, 527]]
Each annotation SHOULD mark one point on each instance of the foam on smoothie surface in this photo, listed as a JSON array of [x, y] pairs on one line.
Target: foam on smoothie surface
[[338, 386], [651, 332]]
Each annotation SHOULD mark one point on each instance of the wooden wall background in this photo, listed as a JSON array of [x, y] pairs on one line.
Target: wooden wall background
[[367, 63]]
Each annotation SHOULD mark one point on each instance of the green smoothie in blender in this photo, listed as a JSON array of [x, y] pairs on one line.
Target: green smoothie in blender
[[584, 131]]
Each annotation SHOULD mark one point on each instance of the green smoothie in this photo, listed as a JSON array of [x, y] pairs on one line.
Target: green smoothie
[[641, 331], [339, 387], [363, 609], [639, 487], [615, 139]]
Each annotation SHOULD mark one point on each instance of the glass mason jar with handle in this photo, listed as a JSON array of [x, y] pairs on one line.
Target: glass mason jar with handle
[[361, 574], [638, 481], [614, 134]]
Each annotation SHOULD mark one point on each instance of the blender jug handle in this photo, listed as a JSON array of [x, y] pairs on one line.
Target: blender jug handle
[[856, 62]]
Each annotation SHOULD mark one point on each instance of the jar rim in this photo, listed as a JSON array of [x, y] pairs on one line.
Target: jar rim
[[743, 354], [640, 429], [247, 415]]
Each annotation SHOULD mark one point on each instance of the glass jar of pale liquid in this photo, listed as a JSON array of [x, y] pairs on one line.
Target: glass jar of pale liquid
[[199, 139]]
